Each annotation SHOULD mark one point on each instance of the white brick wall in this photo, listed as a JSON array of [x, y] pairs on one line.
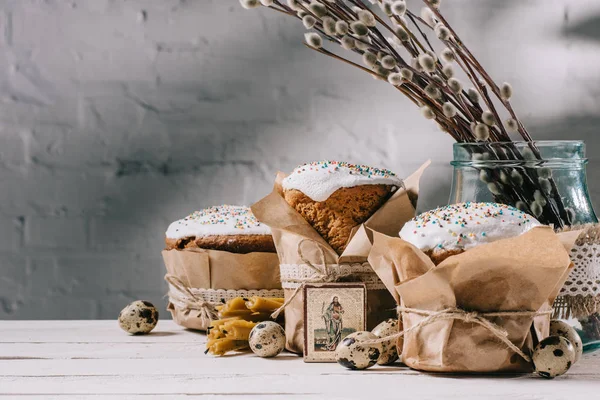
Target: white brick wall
[[117, 117]]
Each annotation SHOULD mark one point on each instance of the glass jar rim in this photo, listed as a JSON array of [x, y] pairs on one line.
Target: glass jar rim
[[520, 143], [554, 153]]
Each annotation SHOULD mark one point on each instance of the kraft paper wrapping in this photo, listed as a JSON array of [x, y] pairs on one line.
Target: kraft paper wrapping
[[524, 273], [289, 228], [214, 269]]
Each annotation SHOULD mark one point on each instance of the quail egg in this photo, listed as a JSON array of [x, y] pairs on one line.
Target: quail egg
[[389, 351], [267, 339], [352, 354], [561, 328], [553, 356], [138, 318]]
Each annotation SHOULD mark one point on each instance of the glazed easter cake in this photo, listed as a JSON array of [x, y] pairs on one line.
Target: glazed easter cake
[[225, 228], [334, 197], [453, 229]]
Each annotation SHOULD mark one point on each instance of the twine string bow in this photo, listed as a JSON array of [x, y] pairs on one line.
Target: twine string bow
[[468, 317], [323, 273], [181, 296]]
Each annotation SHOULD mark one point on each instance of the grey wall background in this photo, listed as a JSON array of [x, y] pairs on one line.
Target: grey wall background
[[117, 117]]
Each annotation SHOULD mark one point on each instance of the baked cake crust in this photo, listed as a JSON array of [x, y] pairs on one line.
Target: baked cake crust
[[438, 256], [241, 244], [346, 208]]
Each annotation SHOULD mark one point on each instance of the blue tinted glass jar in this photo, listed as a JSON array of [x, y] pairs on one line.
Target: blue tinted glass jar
[[546, 179]]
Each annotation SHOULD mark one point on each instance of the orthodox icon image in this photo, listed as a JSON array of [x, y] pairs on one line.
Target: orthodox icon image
[[332, 312]]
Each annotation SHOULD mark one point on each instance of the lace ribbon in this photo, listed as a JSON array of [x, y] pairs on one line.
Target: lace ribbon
[[580, 295], [468, 317], [296, 276]]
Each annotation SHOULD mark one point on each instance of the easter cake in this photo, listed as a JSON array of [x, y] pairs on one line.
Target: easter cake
[[226, 228], [453, 229], [334, 197]]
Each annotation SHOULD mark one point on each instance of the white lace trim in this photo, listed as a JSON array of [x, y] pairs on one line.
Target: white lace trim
[[584, 279], [295, 275], [221, 295], [218, 296]]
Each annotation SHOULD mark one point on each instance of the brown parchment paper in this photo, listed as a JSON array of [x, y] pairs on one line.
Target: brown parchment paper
[[289, 229], [524, 273], [214, 269]]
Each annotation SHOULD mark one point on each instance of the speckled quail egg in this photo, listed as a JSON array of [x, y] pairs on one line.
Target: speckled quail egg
[[138, 318], [553, 356], [352, 354], [561, 328], [389, 351], [267, 339]]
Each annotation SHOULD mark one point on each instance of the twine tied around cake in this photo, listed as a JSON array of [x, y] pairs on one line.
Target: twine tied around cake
[[469, 317], [182, 297], [323, 273]]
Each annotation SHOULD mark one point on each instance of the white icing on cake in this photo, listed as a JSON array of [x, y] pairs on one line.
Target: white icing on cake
[[466, 225], [319, 180], [219, 220]]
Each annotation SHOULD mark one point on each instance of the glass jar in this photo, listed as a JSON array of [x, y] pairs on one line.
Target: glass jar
[[546, 179]]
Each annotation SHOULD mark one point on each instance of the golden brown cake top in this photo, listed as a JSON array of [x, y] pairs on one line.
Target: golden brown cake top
[[319, 180], [219, 220]]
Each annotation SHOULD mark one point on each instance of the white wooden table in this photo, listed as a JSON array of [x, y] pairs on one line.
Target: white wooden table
[[95, 359]]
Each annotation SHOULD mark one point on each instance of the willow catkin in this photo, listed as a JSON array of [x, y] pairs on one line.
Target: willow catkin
[[406, 74], [367, 18], [442, 32], [536, 208], [473, 95], [309, 21], [448, 70], [342, 27], [432, 91], [369, 58], [488, 118], [248, 4], [512, 125], [348, 42], [506, 91], [359, 28], [427, 112], [435, 3], [427, 62], [329, 25], [447, 55], [399, 8], [388, 62], [401, 34], [495, 188], [313, 40], [455, 85], [395, 79], [481, 132], [449, 110], [318, 9], [540, 198]]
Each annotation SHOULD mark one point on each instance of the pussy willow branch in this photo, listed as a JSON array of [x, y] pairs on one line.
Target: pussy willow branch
[[466, 110], [471, 59]]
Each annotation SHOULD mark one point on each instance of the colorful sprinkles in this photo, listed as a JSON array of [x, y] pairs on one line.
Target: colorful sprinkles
[[455, 218], [356, 169], [222, 215]]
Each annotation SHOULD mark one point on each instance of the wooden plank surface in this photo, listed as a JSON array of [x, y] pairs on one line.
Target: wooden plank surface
[[95, 359]]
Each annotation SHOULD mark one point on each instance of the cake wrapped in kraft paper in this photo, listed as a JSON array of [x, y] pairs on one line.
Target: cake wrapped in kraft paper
[[215, 255], [482, 310], [320, 241]]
